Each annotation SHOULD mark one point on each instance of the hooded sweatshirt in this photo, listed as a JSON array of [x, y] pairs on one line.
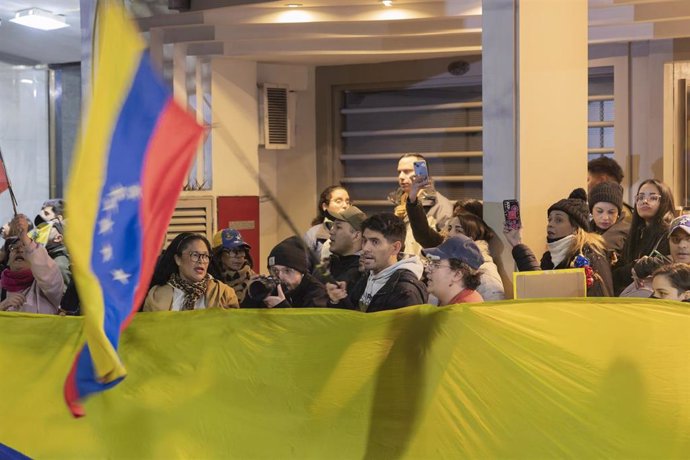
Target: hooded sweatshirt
[[376, 281], [394, 287]]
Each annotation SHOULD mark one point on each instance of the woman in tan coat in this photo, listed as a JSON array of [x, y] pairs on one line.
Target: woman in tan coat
[[181, 280]]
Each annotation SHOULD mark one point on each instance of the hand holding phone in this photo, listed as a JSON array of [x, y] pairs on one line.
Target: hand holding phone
[[421, 171], [511, 211]]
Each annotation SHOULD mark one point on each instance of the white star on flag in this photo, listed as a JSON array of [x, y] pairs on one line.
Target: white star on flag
[[105, 225], [120, 275], [107, 253], [110, 204], [118, 193], [133, 192]]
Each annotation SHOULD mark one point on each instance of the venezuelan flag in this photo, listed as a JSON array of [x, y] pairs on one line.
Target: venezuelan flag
[[135, 149]]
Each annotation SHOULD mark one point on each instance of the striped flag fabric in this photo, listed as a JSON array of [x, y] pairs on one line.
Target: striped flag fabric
[[135, 149]]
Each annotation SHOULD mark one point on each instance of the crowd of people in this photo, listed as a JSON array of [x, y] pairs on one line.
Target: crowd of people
[[427, 250]]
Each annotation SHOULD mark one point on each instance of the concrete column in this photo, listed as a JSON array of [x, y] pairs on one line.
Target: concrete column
[[535, 110]]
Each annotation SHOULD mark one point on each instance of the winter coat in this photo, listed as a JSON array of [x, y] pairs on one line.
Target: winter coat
[[315, 238], [402, 289], [437, 210], [310, 293], [160, 298], [614, 237], [45, 293], [603, 284], [59, 254], [344, 269], [643, 243], [491, 284]]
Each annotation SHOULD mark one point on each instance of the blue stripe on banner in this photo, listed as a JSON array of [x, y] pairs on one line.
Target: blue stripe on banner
[[117, 242], [7, 453]]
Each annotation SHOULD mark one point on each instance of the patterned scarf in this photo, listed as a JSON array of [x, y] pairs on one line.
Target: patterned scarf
[[238, 280], [192, 291], [16, 281]]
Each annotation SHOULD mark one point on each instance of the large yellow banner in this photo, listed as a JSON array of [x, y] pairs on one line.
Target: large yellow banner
[[578, 378]]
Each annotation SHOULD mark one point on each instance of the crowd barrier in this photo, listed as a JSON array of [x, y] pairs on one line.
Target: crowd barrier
[[577, 378]]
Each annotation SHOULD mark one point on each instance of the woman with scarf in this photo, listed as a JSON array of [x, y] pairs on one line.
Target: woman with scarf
[[32, 283], [570, 245], [181, 280], [232, 263]]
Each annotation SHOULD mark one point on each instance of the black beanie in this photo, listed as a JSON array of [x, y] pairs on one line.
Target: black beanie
[[606, 192], [576, 208], [290, 252]]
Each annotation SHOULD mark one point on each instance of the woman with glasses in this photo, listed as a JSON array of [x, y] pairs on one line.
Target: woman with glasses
[[453, 271], [181, 280], [232, 263], [334, 199], [654, 208]]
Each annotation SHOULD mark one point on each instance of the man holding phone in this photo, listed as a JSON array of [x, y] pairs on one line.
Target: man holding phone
[[438, 208]]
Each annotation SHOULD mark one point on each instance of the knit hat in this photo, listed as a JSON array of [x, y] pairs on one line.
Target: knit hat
[[576, 208], [457, 247], [606, 192], [229, 238], [290, 252], [352, 215]]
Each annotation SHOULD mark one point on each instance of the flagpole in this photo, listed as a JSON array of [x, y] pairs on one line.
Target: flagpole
[[9, 184]]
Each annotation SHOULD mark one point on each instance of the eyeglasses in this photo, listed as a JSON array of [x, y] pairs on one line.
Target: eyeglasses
[[650, 197], [199, 257], [432, 265]]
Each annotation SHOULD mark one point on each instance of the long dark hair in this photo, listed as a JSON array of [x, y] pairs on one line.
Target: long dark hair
[[166, 265], [659, 223], [325, 199]]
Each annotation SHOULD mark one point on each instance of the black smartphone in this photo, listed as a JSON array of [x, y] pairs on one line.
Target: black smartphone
[[511, 211]]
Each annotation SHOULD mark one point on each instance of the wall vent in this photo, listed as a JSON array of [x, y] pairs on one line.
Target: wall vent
[[192, 214], [276, 116]]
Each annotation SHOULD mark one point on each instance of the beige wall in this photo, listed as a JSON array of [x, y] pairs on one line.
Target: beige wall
[[289, 175]]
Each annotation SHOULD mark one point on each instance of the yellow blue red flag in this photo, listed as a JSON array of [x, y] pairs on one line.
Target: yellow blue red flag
[[135, 149]]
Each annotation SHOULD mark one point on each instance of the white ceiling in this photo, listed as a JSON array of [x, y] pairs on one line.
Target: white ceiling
[[22, 45], [325, 32]]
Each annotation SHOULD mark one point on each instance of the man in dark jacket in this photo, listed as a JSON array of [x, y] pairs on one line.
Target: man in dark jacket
[[346, 244], [289, 263], [391, 282]]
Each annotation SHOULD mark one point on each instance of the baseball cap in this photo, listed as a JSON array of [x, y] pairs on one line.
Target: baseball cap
[[229, 238], [457, 247], [680, 222], [352, 215]]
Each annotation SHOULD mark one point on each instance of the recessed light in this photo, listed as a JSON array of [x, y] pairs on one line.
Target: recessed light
[[293, 5], [387, 2], [39, 19]]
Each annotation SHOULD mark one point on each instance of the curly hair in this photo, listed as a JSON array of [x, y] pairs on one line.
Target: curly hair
[[470, 277], [607, 166]]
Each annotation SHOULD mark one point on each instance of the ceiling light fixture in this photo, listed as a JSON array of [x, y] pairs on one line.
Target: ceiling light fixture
[[293, 5], [39, 19], [387, 2]]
